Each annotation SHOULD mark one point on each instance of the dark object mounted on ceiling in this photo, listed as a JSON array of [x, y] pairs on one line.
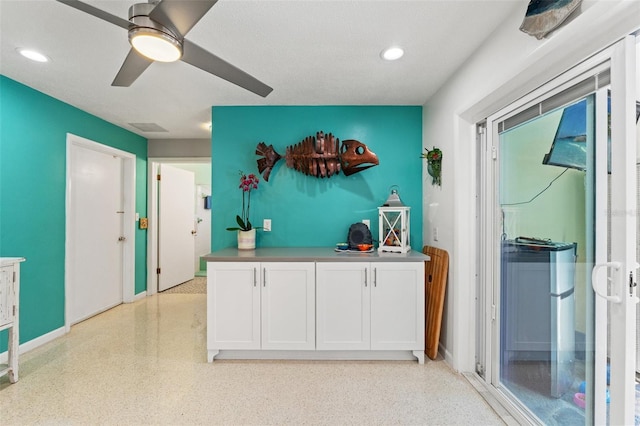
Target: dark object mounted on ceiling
[[156, 33], [319, 156], [359, 233], [544, 16]]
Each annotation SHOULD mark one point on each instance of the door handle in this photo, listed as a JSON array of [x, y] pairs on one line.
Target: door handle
[[194, 232], [619, 282], [121, 239]]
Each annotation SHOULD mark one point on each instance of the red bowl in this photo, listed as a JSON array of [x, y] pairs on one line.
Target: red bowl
[[365, 247]]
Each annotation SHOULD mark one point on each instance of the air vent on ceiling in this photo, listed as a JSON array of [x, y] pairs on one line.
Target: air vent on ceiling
[[148, 127]]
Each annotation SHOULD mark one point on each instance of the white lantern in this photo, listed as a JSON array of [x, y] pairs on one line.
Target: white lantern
[[393, 224]]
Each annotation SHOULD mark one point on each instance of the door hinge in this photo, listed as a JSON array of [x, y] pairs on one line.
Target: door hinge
[[14, 276], [158, 271], [632, 284], [494, 152], [158, 177], [493, 312], [14, 310]]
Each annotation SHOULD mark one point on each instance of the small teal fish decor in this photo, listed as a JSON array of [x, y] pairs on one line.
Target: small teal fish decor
[[544, 16]]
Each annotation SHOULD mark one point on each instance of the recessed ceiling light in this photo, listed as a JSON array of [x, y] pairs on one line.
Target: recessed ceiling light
[[33, 55], [392, 53]]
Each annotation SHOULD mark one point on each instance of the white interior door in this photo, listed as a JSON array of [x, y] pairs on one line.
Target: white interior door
[[96, 228], [176, 216]]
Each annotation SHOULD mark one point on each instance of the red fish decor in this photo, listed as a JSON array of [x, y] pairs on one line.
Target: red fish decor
[[319, 156]]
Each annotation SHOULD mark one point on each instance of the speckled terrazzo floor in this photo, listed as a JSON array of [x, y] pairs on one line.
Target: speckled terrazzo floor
[[145, 363], [198, 285]]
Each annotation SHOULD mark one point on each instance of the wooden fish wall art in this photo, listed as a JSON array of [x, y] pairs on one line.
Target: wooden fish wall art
[[320, 156]]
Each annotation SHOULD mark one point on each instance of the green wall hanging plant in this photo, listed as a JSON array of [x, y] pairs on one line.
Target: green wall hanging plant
[[434, 165]]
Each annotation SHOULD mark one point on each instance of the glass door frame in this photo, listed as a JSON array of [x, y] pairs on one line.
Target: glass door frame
[[619, 59], [623, 236]]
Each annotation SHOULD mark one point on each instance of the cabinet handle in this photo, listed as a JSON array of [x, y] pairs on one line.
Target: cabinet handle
[[264, 277], [254, 277], [375, 277]]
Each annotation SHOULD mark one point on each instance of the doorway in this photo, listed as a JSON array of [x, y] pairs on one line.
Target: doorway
[[199, 208], [558, 184], [100, 220]]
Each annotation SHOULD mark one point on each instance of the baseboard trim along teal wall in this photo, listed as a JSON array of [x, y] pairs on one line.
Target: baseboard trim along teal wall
[[33, 132], [307, 211]]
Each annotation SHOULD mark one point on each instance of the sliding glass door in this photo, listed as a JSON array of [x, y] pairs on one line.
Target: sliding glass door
[[560, 223], [546, 200]]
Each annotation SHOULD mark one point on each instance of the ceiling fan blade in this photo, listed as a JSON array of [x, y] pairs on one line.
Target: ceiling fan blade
[[106, 16], [180, 15], [134, 65], [198, 57]]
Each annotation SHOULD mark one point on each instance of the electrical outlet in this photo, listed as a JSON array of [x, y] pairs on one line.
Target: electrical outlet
[[266, 225], [367, 222]]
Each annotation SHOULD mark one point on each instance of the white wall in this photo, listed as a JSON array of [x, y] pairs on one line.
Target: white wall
[[509, 65], [179, 148]]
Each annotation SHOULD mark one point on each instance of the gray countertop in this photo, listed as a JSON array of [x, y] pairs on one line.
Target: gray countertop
[[309, 254]]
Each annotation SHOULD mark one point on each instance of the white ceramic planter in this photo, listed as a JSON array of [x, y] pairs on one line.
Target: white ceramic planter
[[247, 239]]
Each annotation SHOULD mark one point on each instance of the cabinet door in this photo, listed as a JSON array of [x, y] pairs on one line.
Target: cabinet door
[[343, 304], [397, 306], [233, 305], [288, 305], [6, 295]]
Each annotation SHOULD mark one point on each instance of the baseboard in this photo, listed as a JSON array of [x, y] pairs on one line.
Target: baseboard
[[445, 354], [34, 343], [139, 296], [334, 355]]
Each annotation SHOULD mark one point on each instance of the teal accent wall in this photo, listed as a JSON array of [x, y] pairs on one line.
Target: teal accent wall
[[33, 132], [305, 210]]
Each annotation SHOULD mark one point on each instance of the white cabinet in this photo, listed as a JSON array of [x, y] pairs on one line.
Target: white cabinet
[[397, 306], [343, 303], [370, 306], [253, 305], [233, 305], [315, 303], [9, 311], [288, 305]]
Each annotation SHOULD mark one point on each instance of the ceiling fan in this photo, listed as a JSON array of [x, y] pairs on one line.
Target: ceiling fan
[[156, 33]]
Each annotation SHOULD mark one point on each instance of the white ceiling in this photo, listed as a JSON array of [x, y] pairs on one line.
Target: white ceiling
[[318, 52]]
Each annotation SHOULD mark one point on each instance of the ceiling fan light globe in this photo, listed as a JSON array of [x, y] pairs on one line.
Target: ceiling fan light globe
[[155, 44]]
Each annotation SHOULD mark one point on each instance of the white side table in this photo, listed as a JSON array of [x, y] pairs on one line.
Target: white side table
[[9, 311]]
